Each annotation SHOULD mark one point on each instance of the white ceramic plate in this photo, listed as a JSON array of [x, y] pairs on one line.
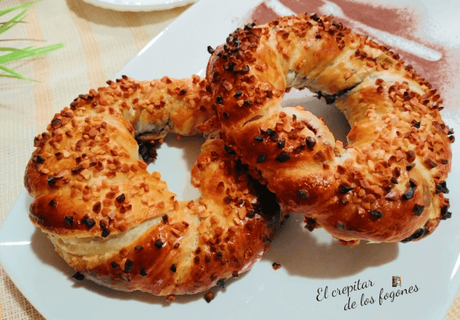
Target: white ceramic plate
[[358, 280], [139, 5]]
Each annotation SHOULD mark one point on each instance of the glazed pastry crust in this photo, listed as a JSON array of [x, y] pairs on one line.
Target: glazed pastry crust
[[118, 224], [89, 153], [388, 183]]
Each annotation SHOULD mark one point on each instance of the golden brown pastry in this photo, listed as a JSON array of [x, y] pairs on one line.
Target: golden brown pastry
[[388, 183], [119, 225]]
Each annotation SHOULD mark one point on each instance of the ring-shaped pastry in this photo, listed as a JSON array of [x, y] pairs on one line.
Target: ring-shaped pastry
[[388, 183], [118, 224]]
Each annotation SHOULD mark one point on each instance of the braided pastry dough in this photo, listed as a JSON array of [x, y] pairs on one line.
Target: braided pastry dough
[[119, 225], [388, 183]]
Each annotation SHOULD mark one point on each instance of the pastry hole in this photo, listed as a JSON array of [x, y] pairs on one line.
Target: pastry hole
[[333, 118], [175, 159]]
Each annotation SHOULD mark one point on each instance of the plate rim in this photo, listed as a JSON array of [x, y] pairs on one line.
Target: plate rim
[[133, 6]]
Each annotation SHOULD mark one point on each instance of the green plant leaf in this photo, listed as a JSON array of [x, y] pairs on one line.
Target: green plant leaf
[[18, 54], [10, 73], [25, 5], [15, 54], [14, 21]]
